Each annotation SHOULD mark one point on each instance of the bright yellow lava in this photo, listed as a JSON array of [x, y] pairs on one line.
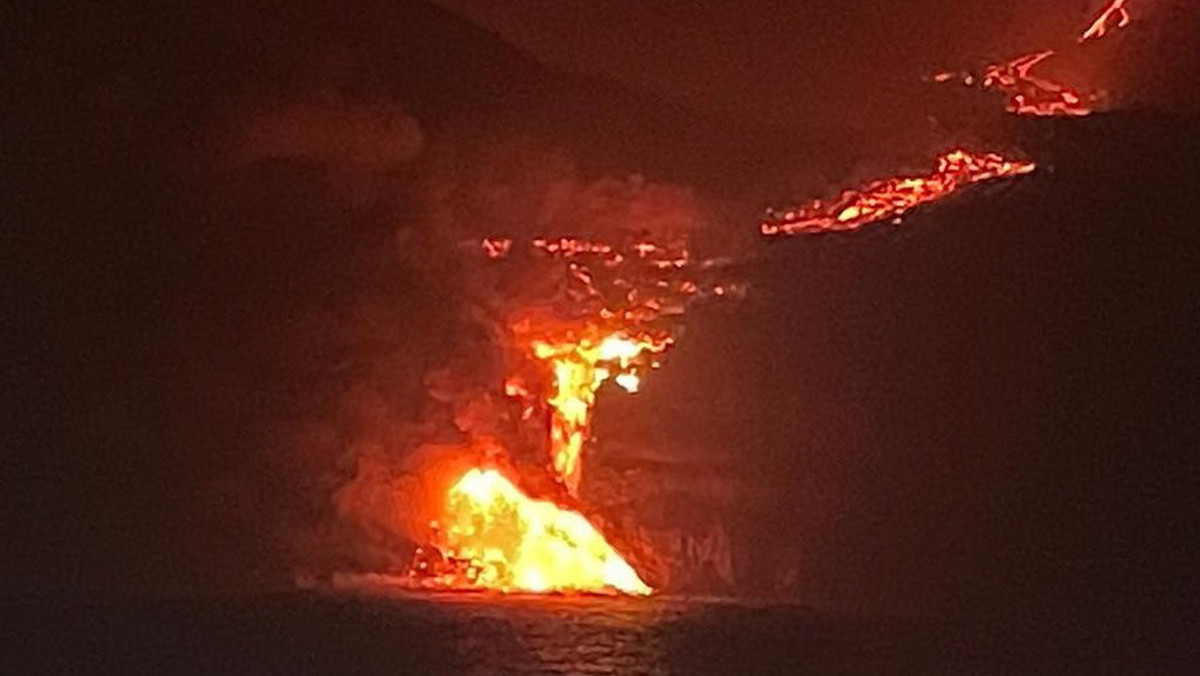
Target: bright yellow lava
[[516, 543], [580, 368]]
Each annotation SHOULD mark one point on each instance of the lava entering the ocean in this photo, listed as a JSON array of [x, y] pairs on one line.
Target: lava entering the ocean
[[610, 315], [494, 536], [611, 319]]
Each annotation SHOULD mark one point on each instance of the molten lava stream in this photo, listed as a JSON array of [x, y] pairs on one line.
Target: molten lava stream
[[1112, 17], [580, 367], [494, 536], [490, 534], [892, 197], [1030, 94]]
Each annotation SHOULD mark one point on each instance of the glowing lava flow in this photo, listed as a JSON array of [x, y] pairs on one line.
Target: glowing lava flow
[[580, 367], [493, 536], [892, 197], [627, 292], [1104, 23], [496, 537], [1030, 94], [609, 320]]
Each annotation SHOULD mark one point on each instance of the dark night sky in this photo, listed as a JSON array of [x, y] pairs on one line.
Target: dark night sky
[[842, 60]]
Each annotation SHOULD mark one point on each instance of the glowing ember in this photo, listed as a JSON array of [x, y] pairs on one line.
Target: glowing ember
[[496, 247], [1114, 16], [892, 197], [494, 536]]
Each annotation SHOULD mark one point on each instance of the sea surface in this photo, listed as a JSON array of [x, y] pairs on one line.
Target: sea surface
[[386, 632]]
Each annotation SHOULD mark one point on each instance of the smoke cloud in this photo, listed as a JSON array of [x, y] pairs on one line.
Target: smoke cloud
[[346, 135]]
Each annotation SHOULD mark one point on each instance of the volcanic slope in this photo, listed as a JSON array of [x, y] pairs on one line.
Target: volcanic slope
[[983, 410]]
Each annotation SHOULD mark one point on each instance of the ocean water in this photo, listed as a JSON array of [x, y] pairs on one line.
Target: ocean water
[[398, 633]]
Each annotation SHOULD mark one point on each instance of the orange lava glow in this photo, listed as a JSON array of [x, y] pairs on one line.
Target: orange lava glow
[[1114, 16], [890, 198], [581, 366], [1028, 94], [611, 320], [496, 247], [627, 294], [493, 536]]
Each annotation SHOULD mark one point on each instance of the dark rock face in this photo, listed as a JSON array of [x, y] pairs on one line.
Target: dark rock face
[[673, 519]]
